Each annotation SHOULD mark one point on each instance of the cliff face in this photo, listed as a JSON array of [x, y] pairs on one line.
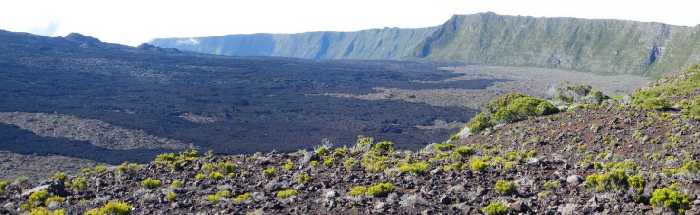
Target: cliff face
[[600, 46], [387, 43]]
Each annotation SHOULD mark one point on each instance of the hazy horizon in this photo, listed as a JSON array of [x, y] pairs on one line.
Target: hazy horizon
[[133, 22]]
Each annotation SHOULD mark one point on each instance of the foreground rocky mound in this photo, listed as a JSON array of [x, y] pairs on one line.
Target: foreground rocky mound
[[635, 155]]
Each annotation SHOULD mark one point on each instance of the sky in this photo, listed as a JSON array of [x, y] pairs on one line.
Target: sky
[[133, 22]]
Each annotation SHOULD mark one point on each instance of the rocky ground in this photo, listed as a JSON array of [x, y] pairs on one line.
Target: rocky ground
[[616, 157]]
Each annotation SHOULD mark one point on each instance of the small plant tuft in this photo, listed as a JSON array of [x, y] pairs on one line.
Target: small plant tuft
[[151, 183], [495, 208], [504, 187], [286, 193]]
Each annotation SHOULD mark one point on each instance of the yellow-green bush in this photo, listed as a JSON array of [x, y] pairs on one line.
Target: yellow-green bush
[[611, 180], [129, 168], [463, 151], [358, 191], [242, 198], [150, 183], [637, 182], [171, 196], [670, 198], [303, 178], [176, 184], [289, 165], [270, 171], [59, 176], [37, 198], [45, 211], [478, 164], [216, 176], [381, 189], [111, 208], [286, 193], [416, 168], [3, 186], [509, 108], [504, 187], [79, 184], [551, 185], [495, 208]]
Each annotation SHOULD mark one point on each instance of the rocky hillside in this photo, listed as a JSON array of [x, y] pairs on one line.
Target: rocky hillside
[[601, 46], [582, 153]]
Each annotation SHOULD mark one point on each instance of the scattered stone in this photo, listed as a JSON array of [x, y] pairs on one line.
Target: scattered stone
[[574, 180]]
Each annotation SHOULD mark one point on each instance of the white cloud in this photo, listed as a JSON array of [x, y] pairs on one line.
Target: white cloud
[[133, 22], [48, 30]]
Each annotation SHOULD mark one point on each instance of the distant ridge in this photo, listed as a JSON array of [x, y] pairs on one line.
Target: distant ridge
[[591, 45]]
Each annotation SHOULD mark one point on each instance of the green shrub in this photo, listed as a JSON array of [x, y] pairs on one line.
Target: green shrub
[[349, 164], [79, 183], [59, 176], [551, 185], [176, 184], [443, 146], [3, 186], [171, 196], [478, 164], [358, 191], [100, 168], [270, 171], [374, 161], [176, 161], [289, 165], [688, 166], [495, 208], [227, 167], [381, 189], [129, 168], [479, 122], [670, 198], [384, 147], [612, 180], [208, 167], [303, 178], [199, 176], [213, 198], [37, 198], [328, 161], [286, 193], [636, 182], [150, 183], [650, 100], [509, 108], [321, 151], [504, 187], [224, 193], [417, 168], [45, 211], [242, 198], [453, 166], [216, 176], [692, 110], [463, 151]]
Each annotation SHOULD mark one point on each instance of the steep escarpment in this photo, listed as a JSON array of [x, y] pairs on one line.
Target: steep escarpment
[[600, 46], [387, 43], [603, 46]]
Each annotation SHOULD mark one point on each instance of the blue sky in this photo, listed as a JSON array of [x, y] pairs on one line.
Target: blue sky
[[133, 22]]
